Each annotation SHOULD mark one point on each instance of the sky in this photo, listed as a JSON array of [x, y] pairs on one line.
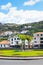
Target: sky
[[21, 11]]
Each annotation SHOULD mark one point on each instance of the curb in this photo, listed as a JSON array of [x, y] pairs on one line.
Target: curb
[[20, 58]]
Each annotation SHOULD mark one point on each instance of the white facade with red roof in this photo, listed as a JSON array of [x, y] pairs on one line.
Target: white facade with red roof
[[38, 39], [4, 44]]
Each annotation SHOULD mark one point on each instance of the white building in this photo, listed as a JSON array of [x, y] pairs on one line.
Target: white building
[[15, 41], [8, 32], [38, 40], [4, 44], [24, 31], [27, 27]]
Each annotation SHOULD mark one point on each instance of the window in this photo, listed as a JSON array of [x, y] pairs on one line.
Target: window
[[11, 39], [18, 39], [41, 38], [11, 42], [4, 45], [14, 38], [35, 45], [35, 41], [41, 34], [41, 41], [17, 42], [37, 34], [1, 45], [34, 38]]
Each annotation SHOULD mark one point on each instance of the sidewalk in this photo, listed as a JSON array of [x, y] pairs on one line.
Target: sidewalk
[[20, 58]]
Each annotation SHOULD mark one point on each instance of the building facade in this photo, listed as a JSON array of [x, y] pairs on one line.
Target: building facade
[[5, 44], [15, 41], [38, 40]]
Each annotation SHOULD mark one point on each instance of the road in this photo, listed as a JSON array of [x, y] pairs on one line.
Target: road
[[21, 62]]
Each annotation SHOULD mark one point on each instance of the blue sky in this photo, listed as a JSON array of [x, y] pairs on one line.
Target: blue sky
[[26, 7], [19, 4]]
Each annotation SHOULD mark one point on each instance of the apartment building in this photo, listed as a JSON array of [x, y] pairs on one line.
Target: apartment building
[[16, 41], [38, 40]]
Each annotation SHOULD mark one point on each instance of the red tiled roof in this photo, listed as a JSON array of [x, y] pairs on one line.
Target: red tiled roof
[[5, 42], [39, 33]]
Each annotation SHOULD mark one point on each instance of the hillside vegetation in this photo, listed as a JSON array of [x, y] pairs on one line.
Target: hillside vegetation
[[35, 27]]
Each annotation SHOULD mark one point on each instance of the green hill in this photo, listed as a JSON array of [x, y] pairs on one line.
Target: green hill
[[35, 27]]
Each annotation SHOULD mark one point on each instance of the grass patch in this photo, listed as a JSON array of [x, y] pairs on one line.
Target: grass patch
[[21, 53]]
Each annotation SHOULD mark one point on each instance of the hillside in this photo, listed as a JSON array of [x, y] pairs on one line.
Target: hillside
[[8, 26], [35, 27], [31, 27]]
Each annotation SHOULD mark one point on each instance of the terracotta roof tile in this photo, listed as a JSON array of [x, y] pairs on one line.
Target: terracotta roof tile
[[5, 42], [39, 33]]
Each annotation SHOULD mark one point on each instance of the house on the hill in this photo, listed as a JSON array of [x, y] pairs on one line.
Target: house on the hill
[[8, 33]]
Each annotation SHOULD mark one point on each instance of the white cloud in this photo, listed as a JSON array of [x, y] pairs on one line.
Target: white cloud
[[21, 16], [7, 6], [31, 2]]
